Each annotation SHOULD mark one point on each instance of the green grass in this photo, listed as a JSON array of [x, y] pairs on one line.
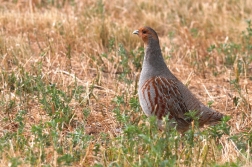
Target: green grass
[[69, 73]]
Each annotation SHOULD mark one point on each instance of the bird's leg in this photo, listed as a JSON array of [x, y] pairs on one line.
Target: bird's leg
[[160, 125]]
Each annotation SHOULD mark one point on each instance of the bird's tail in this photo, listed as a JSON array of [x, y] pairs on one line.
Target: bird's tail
[[208, 116]]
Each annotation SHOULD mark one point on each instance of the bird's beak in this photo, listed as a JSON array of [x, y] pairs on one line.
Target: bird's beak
[[136, 32]]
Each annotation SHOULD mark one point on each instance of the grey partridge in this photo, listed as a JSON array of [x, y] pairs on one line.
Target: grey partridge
[[161, 93]]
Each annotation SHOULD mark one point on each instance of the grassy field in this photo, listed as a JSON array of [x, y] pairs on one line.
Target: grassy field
[[69, 73]]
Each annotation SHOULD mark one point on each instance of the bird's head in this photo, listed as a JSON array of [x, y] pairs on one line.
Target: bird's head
[[147, 34]]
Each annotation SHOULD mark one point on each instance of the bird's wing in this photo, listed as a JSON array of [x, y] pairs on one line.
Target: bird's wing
[[165, 97]]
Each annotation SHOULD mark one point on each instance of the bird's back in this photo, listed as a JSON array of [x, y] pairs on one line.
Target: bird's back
[[206, 114]]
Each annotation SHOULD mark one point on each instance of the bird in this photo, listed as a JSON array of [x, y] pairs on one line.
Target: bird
[[162, 94]]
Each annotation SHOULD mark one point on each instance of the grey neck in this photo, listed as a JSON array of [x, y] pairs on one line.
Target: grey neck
[[153, 58], [153, 64]]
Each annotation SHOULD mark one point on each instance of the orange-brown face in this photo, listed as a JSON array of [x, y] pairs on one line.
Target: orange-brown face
[[145, 33]]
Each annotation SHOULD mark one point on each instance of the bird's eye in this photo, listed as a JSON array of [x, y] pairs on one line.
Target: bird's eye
[[144, 31]]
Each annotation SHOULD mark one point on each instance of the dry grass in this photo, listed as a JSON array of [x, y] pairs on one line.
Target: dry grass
[[77, 43]]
